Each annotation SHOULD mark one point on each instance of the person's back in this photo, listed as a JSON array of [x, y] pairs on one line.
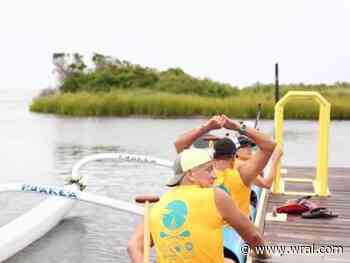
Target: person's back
[[228, 178], [231, 182], [186, 226]]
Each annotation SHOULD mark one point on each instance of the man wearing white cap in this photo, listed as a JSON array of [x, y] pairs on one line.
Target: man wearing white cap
[[186, 224]]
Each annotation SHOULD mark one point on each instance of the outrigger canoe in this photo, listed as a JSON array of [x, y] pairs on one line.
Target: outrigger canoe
[[37, 222]]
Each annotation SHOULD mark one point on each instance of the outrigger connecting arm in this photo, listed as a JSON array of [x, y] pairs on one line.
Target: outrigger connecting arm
[[75, 195]]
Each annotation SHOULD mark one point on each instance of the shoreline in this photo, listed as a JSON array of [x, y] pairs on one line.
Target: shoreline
[[123, 103]]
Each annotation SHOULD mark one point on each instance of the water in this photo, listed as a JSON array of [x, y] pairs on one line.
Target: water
[[39, 148]]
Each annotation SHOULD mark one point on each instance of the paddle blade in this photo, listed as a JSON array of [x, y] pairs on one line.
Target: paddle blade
[[203, 141]]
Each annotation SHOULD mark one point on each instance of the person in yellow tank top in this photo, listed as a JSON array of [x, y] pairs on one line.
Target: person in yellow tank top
[[230, 181], [186, 224]]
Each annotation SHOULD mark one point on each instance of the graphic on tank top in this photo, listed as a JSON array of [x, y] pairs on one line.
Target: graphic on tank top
[[176, 238]]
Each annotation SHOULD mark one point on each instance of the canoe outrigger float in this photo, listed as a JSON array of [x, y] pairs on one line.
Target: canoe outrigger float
[[29, 227], [34, 224]]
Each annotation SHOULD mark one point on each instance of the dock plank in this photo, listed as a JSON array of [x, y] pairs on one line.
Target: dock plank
[[299, 231]]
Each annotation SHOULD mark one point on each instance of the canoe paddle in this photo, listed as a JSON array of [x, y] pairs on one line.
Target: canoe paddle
[[203, 141], [257, 116], [146, 200]]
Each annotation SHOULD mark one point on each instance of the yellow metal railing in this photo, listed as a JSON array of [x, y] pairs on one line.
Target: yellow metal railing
[[320, 183]]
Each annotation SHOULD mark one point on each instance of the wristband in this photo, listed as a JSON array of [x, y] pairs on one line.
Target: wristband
[[242, 128]]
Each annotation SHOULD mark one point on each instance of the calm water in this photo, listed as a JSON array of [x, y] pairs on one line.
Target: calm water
[[42, 149]]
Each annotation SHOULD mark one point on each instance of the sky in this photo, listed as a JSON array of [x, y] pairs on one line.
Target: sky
[[236, 42]]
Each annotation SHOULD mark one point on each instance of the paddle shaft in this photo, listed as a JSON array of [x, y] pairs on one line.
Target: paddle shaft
[[257, 116], [147, 234], [146, 200]]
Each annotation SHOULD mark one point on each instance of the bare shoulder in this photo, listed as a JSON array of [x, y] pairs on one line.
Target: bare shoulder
[[219, 194], [222, 199]]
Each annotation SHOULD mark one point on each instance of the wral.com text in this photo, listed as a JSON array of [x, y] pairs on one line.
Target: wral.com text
[[302, 250]]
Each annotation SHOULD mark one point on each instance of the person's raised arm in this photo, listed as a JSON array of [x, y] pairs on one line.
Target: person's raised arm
[[187, 139], [267, 181], [236, 219], [254, 166]]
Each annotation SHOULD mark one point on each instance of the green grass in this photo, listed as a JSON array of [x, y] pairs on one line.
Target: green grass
[[145, 102]]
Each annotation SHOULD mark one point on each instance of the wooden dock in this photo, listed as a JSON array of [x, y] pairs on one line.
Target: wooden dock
[[318, 232]]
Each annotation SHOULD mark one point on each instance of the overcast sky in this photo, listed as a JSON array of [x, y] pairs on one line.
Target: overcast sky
[[230, 41]]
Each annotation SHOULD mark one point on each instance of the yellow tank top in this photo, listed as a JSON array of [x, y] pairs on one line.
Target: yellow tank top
[[230, 181], [187, 227]]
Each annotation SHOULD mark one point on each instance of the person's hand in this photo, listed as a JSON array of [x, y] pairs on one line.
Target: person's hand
[[214, 123], [230, 124]]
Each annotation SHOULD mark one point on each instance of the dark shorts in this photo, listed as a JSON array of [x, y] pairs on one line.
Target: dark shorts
[[229, 254]]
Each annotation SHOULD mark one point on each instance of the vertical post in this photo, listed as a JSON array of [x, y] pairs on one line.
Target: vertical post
[[277, 92], [321, 181], [278, 131], [277, 187]]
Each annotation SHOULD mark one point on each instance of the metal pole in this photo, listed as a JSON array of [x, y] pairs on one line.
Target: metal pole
[[277, 92]]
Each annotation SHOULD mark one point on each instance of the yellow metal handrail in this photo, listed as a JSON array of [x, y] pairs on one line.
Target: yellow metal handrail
[[320, 183]]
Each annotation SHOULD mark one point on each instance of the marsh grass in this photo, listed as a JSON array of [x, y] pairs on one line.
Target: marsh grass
[[143, 102]]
